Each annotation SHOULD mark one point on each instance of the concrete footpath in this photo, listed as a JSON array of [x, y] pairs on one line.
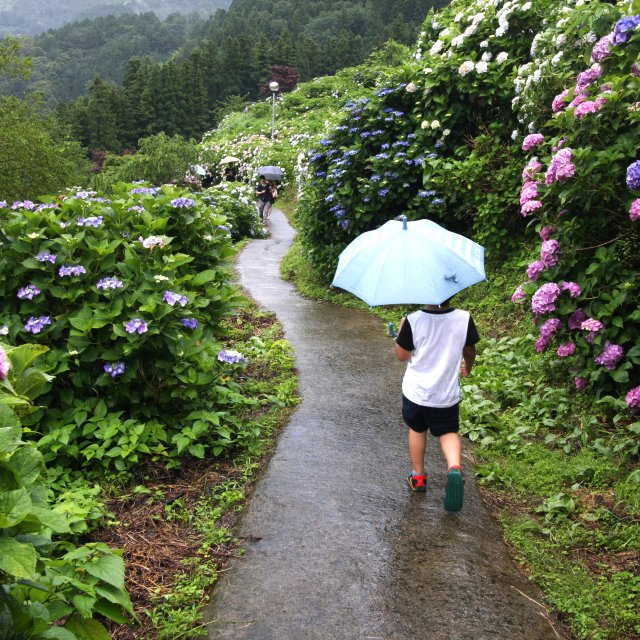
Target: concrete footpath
[[337, 547]]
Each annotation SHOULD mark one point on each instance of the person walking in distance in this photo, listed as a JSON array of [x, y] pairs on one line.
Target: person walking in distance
[[435, 342], [263, 194]]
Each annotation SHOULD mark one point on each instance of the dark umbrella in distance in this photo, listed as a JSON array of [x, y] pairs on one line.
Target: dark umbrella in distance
[[271, 172]]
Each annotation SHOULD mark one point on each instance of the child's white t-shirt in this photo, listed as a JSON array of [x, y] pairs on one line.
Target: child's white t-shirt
[[432, 375]]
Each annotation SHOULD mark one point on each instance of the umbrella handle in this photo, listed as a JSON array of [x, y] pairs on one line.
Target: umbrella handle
[[392, 331]]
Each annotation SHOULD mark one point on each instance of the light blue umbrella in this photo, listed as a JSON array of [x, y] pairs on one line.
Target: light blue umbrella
[[417, 262]]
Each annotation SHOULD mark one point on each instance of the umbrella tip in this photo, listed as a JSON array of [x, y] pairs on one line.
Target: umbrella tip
[[403, 219]]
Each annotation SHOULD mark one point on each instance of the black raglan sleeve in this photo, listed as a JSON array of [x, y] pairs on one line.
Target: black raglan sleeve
[[405, 336]]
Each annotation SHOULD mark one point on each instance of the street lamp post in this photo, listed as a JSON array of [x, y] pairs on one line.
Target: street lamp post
[[273, 87]]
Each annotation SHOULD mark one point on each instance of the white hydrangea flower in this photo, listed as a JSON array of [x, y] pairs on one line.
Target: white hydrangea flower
[[515, 101], [446, 132], [502, 57], [424, 124], [486, 56], [436, 48], [590, 38], [526, 6], [556, 59], [560, 40], [457, 41], [537, 75], [500, 31], [532, 127], [466, 67], [470, 30], [444, 33], [514, 134], [484, 44], [458, 17], [478, 18], [435, 124], [482, 67], [427, 70]]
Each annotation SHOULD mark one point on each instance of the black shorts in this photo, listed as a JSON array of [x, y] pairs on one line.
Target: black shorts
[[438, 421]]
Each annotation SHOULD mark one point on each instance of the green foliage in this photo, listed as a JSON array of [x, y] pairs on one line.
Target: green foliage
[[48, 587]]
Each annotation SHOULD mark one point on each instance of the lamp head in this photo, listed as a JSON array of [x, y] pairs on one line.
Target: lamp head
[[273, 87]]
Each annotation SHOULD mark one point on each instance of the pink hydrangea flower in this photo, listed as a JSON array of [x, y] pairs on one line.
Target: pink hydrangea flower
[[549, 252], [561, 167], [591, 324], [558, 102], [529, 191], [535, 269], [529, 207], [5, 365], [541, 344], [581, 383], [532, 168], [586, 107], [633, 398], [544, 298], [567, 349], [518, 295], [578, 97], [634, 211], [550, 328], [532, 140], [576, 319], [610, 356]]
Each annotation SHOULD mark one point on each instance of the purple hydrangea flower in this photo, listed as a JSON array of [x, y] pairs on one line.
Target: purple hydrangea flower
[[545, 232], [559, 101], [109, 283], [71, 270], [567, 349], [549, 252], [576, 319], [633, 398], [544, 298], [561, 167], [45, 256], [190, 323], [36, 325], [114, 369], [151, 191], [633, 176], [29, 292], [581, 383], [171, 298], [231, 356], [535, 269], [623, 28], [531, 169], [182, 203], [602, 49], [529, 207], [591, 324], [529, 191], [587, 77], [137, 209], [550, 327], [610, 356], [573, 288], [136, 325], [518, 295]]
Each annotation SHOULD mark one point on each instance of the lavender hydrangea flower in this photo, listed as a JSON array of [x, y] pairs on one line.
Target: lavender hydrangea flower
[[29, 292], [610, 356], [549, 252], [36, 325], [5, 365], [633, 176], [151, 191], [561, 167], [114, 369], [532, 140], [573, 288], [602, 49], [171, 298], [544, 298], [591, 324], [136, 325], [535, 269], [45, 256], [137, 209], [633, 398], [518, 295], [71, 270], [190, 323], [576, 319], [231, 356], [109, 283], [182, 203], [634, 210], [93, 221]]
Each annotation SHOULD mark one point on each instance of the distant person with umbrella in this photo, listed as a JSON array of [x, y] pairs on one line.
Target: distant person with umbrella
[[264, 197], [229, 173]]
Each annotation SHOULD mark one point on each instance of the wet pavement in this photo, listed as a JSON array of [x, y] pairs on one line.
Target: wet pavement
[[337, 547]]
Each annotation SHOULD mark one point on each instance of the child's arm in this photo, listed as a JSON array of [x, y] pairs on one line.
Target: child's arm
[[468, 357], [402, 354]]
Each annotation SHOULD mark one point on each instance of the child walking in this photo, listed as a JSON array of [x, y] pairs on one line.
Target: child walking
[[434, 342]]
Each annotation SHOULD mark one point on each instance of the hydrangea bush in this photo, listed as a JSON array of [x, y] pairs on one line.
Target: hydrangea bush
[[127, 292]]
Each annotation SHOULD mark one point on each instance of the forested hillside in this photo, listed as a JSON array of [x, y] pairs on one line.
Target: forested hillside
[[21, 17]]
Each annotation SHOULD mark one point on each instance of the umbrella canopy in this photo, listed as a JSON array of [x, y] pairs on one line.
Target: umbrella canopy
[[270, 172], [402, 262], [229, 160], [200, 170]]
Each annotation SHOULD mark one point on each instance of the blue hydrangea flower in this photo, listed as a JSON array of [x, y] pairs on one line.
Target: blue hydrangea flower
[[383, 192], [183, 203], [623, 28], [171, 298], [45, 256], [190, 323], [114, 369], [231, 356], [633, 176], [136, 325], [71, 270], [109, 283], [93, 221]]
